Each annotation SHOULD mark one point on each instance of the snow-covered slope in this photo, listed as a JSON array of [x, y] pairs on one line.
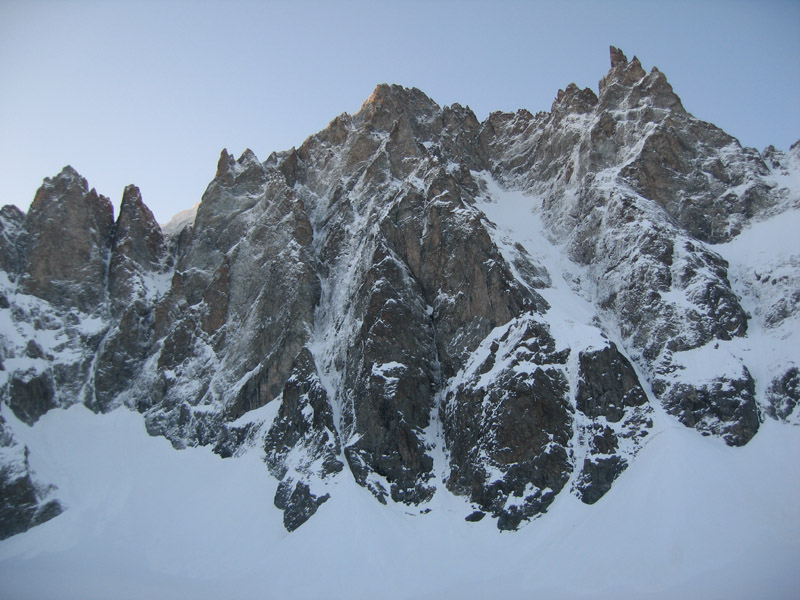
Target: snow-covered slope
[[765, 272], [691, 517]]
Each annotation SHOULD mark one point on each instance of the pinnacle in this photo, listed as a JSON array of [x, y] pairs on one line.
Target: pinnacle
[[224, 163], [622, 71], [617, 57], [131, 195]]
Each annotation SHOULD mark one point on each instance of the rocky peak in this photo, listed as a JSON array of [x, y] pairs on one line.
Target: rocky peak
[[623, 75], [66, 181], [237, 185], [627, 86], [389, 102], [225, 164], [70, 230], [459, 116], [618, 58], [136, 265], [68, 193], [247, 158], [135, 219], [574, 99], [138, 244], [230, 169]]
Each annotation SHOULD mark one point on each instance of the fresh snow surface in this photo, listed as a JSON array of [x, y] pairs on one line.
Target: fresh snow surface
[[572, 317], [690, 518], [765, 273]]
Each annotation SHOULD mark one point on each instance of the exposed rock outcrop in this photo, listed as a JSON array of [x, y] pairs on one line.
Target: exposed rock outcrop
[[69, 236]]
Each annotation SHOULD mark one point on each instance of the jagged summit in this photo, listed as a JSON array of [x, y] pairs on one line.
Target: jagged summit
[[227, 162], [423, 302], [66, 176], [68, 182], [573, 99], [393, 95], [619, 62], [618, 58], [628, 86], [389, 104]]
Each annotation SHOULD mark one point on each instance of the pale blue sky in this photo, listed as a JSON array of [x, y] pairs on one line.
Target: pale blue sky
[[150, 92]]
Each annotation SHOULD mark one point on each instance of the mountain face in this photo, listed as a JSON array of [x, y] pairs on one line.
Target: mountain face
[[422, 301]]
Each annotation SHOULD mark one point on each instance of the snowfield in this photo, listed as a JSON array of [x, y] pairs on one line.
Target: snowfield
[[691, 517]]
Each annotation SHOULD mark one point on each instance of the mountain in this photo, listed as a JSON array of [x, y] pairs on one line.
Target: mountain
[[421, 302]]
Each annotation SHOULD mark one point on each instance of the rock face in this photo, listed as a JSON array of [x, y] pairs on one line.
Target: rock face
[[610, 395], [69, 232], [508, 425], [349, 305]]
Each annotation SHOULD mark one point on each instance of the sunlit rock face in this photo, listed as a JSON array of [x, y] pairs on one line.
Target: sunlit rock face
[[349, 308]]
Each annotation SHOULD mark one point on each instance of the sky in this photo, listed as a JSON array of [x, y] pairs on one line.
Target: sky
[[150, 92]]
